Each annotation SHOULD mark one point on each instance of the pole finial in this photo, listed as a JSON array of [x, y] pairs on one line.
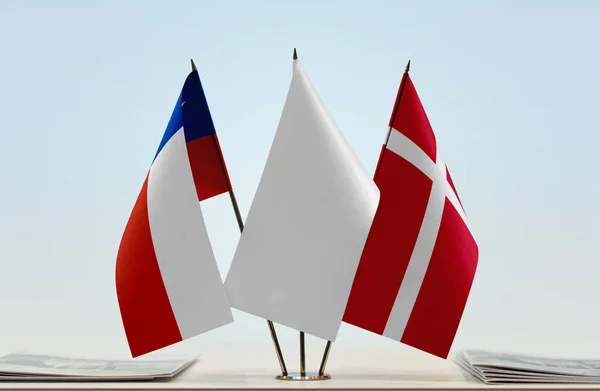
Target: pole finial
[[193, 65], [295, 55], [407, 67]]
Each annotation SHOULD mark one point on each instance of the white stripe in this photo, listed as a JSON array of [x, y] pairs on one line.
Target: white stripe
[[181, 243], [417, 266], [421, 255], [407, 149]]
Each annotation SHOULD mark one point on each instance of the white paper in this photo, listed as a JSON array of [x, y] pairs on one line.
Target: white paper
[[20, 366], [308, 222], [499, 368]]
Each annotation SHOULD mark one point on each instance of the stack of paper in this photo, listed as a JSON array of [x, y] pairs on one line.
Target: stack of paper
[[504, 368], [30, 367]]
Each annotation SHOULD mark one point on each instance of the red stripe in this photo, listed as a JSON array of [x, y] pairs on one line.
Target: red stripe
[[404, 195], [208, 167], [146, 312], [223, 165], [441, 301], [411, 120]]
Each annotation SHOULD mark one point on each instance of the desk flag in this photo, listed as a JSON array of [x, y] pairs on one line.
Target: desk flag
[[419, 261], [307, 224], [168, 284]]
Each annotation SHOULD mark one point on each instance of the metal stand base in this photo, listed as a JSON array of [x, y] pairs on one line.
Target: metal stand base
[[308, 376]]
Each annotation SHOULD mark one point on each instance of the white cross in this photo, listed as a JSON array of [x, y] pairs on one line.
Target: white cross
[[441, 189]]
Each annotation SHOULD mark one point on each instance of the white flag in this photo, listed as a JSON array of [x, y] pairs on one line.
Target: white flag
[[308, 223]]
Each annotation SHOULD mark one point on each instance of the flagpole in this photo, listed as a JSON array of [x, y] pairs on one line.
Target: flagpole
[[240, 221], [302, 356], [324, 359], [387, 139], [321, 373], [302, 348], [403, 83]]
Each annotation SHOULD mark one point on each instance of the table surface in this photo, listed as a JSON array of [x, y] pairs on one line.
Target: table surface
[[349, 369]]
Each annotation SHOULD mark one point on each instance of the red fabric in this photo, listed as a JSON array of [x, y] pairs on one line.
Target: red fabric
[[390, 242], [411, 120], [443, 296], [146, 311], [208, 168]]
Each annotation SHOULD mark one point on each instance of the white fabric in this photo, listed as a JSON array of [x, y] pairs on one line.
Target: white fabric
[[308, 223], [183, 250]]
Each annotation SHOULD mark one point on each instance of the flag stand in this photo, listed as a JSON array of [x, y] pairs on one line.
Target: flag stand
[[303, 375], [240, 222]]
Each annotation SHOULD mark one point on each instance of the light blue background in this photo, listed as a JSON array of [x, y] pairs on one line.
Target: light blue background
[[511, 88]]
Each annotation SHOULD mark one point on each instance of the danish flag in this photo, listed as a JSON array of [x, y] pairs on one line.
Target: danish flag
[[420, 258]]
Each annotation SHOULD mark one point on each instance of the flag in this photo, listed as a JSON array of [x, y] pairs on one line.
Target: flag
[[419, 261], [308, 222], [168, 284]]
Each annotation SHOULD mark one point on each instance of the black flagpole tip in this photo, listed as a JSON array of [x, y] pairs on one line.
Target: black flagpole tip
[[407, 67], [295, 54], [193, 65]]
